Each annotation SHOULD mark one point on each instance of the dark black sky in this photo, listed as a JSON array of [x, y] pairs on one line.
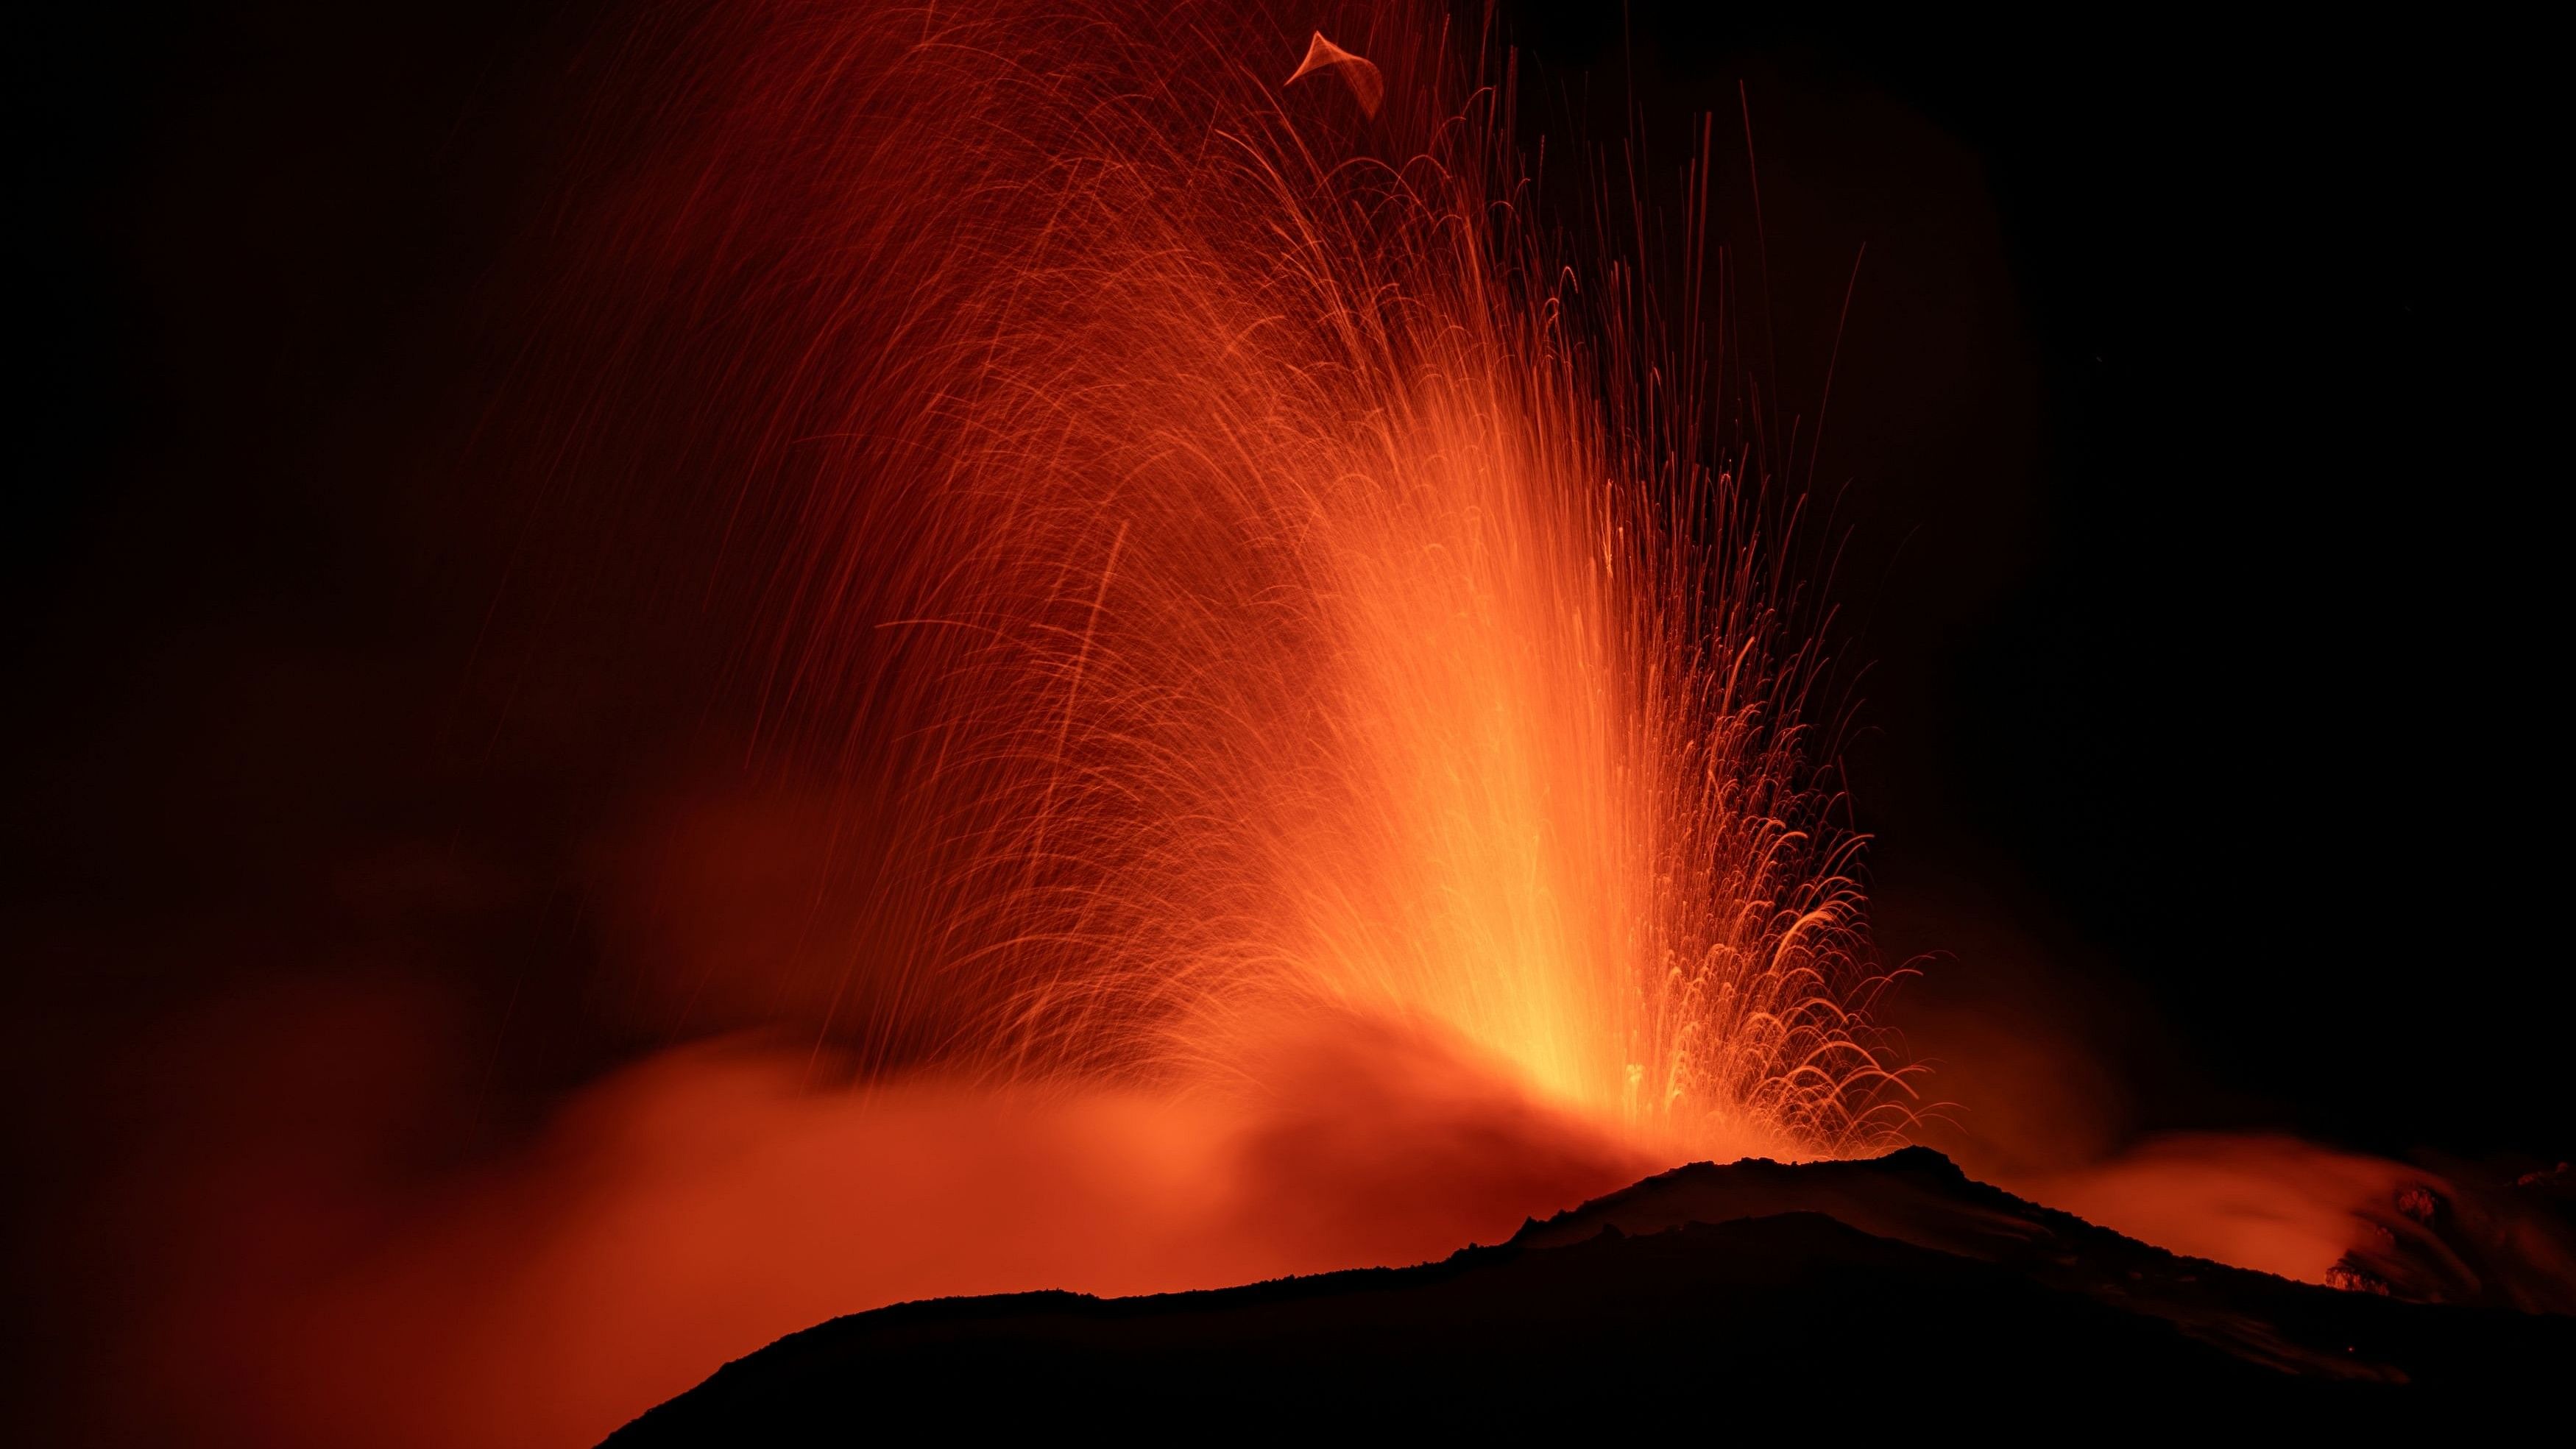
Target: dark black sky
[[2195, 427], [2212, 606]]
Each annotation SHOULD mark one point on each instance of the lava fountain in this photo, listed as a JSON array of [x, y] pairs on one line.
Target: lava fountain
[[1241, 580]]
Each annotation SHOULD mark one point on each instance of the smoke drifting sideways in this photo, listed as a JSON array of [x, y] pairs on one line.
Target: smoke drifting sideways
[[1244, 718], [707, 1200]]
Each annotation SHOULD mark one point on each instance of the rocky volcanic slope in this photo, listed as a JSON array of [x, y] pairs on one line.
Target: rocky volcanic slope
[[1702, 1298]]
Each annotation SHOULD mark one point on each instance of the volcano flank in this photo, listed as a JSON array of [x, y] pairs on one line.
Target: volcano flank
[[1854, 1281]]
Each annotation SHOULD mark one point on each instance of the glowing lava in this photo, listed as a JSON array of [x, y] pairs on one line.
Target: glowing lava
[[1251, 582]]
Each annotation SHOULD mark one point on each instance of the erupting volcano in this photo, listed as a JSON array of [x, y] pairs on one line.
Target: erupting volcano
[[1253, 689]]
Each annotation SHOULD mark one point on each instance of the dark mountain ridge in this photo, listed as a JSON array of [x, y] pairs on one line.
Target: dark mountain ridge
[[1757, 1289]]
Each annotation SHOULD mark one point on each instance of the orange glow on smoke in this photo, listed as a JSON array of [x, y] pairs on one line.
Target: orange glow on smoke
[[2270, 1203], [693, 1209]]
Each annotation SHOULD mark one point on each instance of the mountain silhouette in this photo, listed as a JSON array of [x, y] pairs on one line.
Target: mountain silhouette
[[1703, 1298]]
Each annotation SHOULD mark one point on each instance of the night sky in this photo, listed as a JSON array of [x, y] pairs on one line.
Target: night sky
[[2197, 413]]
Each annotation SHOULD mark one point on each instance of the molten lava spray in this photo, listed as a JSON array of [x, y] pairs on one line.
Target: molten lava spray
[[1236, 580]]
